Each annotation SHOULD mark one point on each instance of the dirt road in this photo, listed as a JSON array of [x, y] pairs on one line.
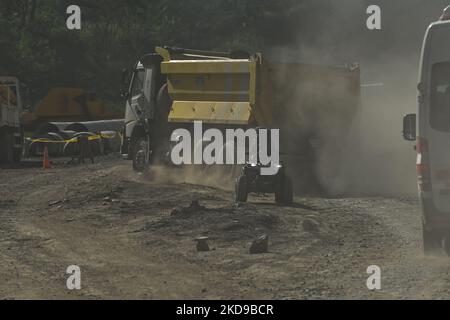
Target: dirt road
[[130, 240]]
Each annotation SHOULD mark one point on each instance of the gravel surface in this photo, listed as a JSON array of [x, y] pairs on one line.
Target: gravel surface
[[134, 237]]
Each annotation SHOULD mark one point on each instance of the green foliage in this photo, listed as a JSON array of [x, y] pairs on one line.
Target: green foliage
[[38, 48]]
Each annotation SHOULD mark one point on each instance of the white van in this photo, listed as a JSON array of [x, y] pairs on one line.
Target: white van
[[433, 137]]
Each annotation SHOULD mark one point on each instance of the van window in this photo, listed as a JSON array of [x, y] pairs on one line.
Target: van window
[[440, 97]]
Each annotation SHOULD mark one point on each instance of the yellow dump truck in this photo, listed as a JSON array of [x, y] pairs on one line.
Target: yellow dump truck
[[312, 106]]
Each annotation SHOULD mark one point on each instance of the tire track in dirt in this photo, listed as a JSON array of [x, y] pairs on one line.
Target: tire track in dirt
[[124, 233]]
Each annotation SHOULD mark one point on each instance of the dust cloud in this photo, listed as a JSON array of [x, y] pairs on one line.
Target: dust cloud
[[375, 160], [220, 177]]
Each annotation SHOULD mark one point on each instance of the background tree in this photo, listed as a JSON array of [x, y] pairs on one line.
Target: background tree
[[37, 47]]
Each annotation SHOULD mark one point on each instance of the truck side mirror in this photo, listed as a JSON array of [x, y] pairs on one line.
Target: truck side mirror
[[409, 127], [421, 87], [125, 94]]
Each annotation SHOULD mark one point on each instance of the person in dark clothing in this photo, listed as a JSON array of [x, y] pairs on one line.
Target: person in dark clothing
[[85, 149]]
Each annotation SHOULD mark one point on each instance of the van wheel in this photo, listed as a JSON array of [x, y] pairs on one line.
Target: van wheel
[[241, 189], [431, 241], [140, 149]]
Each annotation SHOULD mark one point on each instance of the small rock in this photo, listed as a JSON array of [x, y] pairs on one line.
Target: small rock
[[238, 205], [202, 244], [175, 212], [260, 245], [310, 226], [54, 203], [193, 208]]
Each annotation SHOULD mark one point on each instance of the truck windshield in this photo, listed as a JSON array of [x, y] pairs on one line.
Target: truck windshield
[[440, 97], [138, 82]]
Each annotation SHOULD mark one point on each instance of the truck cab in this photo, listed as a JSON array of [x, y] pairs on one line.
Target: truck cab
[[11, 137], [195, 80], [144, 87], [430, 128], [174, 88]]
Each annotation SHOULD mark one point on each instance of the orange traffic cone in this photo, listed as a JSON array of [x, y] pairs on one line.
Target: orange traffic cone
[[46, 163]]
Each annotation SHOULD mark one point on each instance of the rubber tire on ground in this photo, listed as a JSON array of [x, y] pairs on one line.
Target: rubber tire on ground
[[431, 242], [241, 189], [279, 190], [6, 147], [284, 191], [17, 155], [139, 150], [159, 128], [288, 191], [163, 103]]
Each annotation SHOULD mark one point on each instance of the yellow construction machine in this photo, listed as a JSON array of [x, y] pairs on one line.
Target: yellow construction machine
[[313, 107], [67, 105]]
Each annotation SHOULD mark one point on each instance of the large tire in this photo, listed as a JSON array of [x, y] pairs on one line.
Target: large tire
[[6, 147], [140, 149], [288, 191], [159, 128], [431, 242], [163, 104], [241, 189], [17, 155], [284, 191]]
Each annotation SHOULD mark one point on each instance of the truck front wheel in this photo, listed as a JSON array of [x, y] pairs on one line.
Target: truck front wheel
[[18, 151], [140, 158], [17, 155]]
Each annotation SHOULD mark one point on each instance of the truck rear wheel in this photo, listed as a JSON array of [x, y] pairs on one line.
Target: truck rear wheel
[[431, 241], [241, 189], [17, 155], [284, 191], [288, 192]]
